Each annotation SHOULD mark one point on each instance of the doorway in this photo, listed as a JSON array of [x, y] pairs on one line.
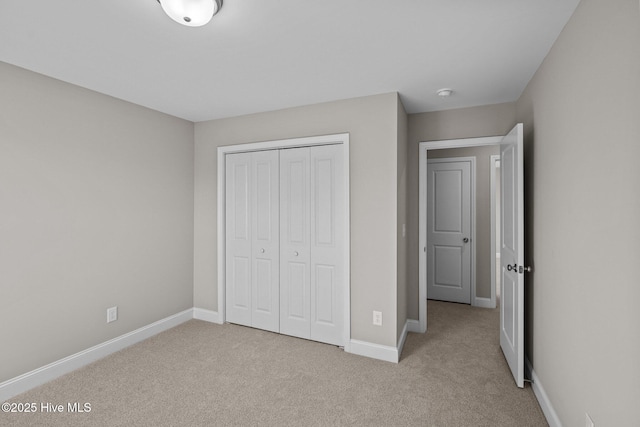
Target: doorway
[[442, 148], [512, 266]]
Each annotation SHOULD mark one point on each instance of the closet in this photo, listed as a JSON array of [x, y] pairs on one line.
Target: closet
[[284, 251]]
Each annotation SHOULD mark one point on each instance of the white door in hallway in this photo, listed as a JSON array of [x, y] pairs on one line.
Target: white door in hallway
[[512, 252], [449, 207]]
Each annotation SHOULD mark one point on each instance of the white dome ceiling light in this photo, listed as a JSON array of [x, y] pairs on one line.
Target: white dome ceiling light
[[192, 13], [444, 93]]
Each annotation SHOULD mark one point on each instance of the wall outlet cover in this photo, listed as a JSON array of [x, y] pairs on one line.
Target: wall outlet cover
[[377, 318], [112, 314]]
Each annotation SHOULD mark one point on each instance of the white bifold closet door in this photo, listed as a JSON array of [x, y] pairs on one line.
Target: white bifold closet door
[[311, 243], [284, 241], [252, 240]]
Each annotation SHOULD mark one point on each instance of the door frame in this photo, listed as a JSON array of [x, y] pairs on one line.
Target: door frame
[[472, 213], [494, 162], [335, 139], [423, 147]]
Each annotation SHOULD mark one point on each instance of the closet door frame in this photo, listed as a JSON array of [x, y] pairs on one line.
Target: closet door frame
[[341, 139]]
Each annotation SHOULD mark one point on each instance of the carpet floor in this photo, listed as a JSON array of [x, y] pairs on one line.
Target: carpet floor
[[202, 374]]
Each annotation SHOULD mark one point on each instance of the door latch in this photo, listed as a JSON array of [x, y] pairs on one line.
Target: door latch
[[517, 269], [522, 270]]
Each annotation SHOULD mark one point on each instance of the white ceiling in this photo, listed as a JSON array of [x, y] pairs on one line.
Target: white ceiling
[[258, 55]]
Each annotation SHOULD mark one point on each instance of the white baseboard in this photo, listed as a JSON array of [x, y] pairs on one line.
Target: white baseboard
[[402, 338], [547, 408], [207, 315], [384, 352], [483, 302], [46, 373], [413, 326], [376, 351]]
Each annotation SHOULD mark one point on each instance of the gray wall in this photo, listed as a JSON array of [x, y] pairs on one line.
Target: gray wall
[[489, 120], [97, 208], [484, 258], [581, 116], [372, 123], [96, 205]]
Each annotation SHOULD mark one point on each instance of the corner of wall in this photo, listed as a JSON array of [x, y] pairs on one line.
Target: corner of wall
[[401, 229]]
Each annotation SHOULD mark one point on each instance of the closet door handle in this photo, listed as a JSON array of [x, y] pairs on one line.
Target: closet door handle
[[295, 253], [262, 250]]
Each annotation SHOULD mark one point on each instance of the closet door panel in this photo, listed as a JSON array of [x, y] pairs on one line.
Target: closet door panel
[[294, 242], [266, 240], [327, 248], [296, 292], [284, 241], [325, 290], [238, 238]]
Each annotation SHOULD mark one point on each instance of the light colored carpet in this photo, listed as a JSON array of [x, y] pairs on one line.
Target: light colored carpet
[[201, 374]]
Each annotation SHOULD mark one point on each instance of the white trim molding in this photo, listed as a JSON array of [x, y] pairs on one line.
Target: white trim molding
[[495, 250], [39, 376], [483, 302], [44, 374], [461, 143], [375, 351], [543, 399], [402, 338], [413, 325], [384, 352], [207, 315]]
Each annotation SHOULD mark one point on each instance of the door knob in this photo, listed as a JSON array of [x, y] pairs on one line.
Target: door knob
[[262, 250], [513, 267], [465, 240], [295, 253]]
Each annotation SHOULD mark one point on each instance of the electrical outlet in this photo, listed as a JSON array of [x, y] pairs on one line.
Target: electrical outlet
[[112, 314], [588, 421], [377, 318]]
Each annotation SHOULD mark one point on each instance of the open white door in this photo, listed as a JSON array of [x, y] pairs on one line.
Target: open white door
[[512, 253]]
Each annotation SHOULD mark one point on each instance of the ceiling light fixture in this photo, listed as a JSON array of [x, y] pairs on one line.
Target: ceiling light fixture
[[192, 13], [444, 93]]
